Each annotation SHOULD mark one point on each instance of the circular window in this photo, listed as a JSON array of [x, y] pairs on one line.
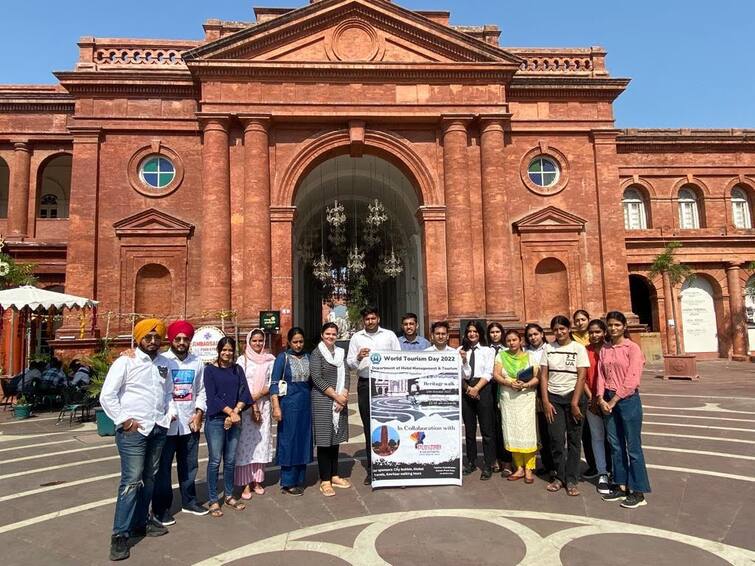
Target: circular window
[[543, 171], [157, 172]]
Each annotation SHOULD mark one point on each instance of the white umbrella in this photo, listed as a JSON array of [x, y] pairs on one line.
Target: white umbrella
[[36, 299], [31, 299]]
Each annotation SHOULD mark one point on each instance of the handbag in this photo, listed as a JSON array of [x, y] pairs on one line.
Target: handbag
[[526, 374]]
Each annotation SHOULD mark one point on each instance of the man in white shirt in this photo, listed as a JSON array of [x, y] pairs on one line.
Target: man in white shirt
[[477, 402], [182, 442], [138, 395], [371, 338], [439, 332]]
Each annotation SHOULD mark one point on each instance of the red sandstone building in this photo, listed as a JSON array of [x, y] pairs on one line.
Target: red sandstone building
[[188, 177]]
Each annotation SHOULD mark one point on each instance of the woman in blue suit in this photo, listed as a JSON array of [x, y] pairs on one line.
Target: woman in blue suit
[[290, 394]]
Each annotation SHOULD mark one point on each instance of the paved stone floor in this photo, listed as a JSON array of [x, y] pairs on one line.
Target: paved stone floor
[[58, 484]]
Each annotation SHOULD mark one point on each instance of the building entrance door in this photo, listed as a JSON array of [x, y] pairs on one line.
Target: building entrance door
[[356, 242]]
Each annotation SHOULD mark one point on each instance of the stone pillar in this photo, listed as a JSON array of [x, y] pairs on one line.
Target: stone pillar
[[496, 227], [669, 312], [19, 190], [737, 310], [458, 252], [215, 273], [433, 221], [613, 255], [257, 253], [282, 269]]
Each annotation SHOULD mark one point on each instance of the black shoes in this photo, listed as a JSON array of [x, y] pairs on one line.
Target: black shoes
[[634, 500], [294, 491], [468, 469], [195, 509], [367, 479], [119, 548], [165, 519], [152, 529], [616, 494], [486, 474], [590, 474]]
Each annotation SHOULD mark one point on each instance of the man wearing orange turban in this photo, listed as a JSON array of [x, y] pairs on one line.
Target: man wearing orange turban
[[138, 396]]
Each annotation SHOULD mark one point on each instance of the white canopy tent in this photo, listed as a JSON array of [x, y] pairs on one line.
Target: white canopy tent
[[27, 300]]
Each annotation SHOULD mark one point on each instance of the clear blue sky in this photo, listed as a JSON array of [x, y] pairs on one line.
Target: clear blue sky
[[691, 62]]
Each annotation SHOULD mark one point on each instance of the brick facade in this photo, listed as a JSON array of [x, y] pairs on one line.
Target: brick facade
[[247, 112]]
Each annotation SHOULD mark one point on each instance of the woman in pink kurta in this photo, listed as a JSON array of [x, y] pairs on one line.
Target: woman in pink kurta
[[255, 448]]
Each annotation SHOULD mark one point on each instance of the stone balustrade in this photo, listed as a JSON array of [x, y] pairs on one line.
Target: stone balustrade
[[589, 62], [101, 53]]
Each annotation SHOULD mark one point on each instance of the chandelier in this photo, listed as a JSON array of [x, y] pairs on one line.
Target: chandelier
[[356, 263], [335, 214], [377, 215], [392, 265], [321, 268]]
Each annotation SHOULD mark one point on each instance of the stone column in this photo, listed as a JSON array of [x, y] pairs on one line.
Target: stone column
[[257, 252], [19, 190], [83, 216], [433, 221], [496, 228], [458, 252], [669, 312], [737, 310], [613, 255], [215, 273], [282, 269]]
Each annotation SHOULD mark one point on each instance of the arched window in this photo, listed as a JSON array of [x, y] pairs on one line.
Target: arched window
[[4, 180], [689, 209], [635, 212], [54, 188], [740, 208]]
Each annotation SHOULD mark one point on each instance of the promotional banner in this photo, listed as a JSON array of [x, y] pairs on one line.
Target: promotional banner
[[205, 343], [415, 409]]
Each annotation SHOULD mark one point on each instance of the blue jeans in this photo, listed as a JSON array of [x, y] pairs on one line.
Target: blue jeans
[[624, 430], [221, 443], [140, 456], [292, 476], [185, 448]]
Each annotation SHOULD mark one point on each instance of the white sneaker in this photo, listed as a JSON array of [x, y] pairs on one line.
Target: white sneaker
[[604, 488]]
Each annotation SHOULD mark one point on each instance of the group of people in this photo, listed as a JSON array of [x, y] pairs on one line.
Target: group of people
[[526, 394], [529, 395], [48, 376]]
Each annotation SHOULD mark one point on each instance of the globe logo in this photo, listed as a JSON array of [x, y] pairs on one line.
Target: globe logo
[[375, 358]]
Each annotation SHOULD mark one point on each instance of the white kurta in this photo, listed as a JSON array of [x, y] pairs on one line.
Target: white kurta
[[256, 440], [518, 417]]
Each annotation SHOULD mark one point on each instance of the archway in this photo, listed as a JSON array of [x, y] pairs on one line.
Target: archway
[[153, 292], [551, 289], [54, 187], [699, 321], [644, 301], [389, 236], [750, 312]]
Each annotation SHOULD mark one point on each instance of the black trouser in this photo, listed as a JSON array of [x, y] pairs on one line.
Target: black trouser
[[501, 454], [482, 410], [327, 461], [546, 457], [363, 400], [587, 447], [566, 437]]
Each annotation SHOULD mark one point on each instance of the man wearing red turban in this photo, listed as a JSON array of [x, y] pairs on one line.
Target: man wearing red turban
[[183, 435]]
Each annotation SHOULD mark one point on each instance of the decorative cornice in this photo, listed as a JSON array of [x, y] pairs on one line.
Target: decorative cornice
[[282, 213], [550, 219], [530, 87], [431, 213], [661, 140], [152, 222]]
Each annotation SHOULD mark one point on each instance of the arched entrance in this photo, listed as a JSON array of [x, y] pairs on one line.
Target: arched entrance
[[750, 312], [699, 323], [644, 301], [377, 207]]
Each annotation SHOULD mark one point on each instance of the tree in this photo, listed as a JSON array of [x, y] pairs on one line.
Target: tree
[[14, 274], [665, 264]]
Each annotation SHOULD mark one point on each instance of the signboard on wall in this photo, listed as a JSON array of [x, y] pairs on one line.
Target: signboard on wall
[[699, 317], [204, 345]]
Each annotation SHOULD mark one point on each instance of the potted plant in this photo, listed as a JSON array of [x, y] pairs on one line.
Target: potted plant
[[22, 408], [99, 363], [678, 365]]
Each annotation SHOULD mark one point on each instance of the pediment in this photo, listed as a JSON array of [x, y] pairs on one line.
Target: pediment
[[152, 222], [350, 32], [550, 219]]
